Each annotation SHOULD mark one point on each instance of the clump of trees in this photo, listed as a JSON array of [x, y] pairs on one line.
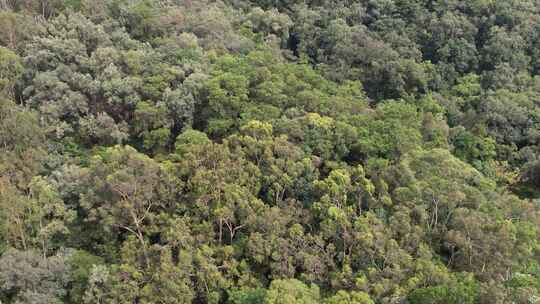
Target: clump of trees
[[253, 151]]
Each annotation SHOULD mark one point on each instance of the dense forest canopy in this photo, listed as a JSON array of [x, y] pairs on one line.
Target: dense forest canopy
[[270, 151]]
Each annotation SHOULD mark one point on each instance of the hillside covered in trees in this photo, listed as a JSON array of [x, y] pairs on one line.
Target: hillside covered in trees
[[269, 151]]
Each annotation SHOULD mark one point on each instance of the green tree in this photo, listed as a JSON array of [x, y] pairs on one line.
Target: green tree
[[291, 291], [122, 193], [465, 290], [28, 277], [39, 220], [11, 67], [247, 296], [81, 264], [354, 297]]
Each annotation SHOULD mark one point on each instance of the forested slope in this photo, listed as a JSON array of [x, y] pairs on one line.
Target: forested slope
[[237, 151]]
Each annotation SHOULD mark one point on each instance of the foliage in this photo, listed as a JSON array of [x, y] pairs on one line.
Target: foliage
[[255, 151]]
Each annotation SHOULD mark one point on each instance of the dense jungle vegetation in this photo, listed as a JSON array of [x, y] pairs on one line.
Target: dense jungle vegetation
[[269, 151]]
